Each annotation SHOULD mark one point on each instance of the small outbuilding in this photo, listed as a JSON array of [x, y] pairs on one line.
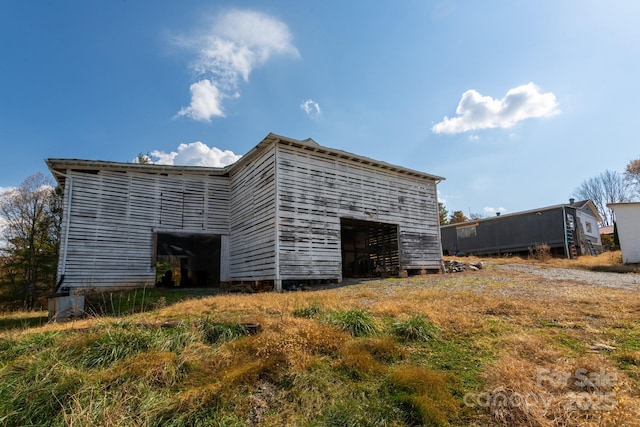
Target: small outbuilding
[[567, 229], [289, 211], [627, 219]]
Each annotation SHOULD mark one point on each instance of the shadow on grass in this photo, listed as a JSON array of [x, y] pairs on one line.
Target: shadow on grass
[[620, 268], [20, 321]]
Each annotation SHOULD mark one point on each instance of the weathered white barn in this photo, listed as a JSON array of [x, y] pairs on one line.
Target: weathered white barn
[[628, 225], [287, 211]]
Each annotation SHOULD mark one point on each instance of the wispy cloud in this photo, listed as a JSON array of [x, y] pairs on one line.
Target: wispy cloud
[[195, 154], [483, 112], [441, 198], [312, 108], [237, 42]]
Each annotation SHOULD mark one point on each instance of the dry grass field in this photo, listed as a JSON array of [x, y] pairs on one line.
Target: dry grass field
[[487, 347]]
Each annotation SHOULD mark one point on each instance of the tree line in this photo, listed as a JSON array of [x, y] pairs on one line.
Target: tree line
[[30, 219]]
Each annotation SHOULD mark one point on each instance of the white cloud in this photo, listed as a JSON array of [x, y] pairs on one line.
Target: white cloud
[[312, 108], [238, 42], [483, 112], [5, 189], [195, 154], [206, 102], [490, 210]]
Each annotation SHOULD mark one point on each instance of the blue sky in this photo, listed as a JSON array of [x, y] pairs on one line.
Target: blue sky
[[514, 103]]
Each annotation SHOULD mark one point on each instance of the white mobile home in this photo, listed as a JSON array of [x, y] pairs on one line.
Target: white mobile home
[[288, 210], [628, 227]]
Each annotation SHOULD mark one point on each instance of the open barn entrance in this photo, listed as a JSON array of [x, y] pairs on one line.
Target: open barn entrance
[[187, 260], [369, 249]]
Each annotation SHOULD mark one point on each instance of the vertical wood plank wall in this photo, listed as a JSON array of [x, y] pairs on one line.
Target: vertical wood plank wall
[[316, 190], [113, 214], [252, 231]]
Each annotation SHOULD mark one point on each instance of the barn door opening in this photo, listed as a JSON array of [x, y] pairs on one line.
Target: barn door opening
[[187, 260], [369, 249]]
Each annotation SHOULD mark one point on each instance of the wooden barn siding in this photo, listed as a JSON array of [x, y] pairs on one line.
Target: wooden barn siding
[[113, 216], [316, 190], [252, 251]]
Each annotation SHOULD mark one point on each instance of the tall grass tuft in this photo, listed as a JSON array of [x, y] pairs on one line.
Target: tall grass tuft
[[415, 328], [36, 389], [357, 322], [217, 332], [310, 312], [115, 343], [11, 348]]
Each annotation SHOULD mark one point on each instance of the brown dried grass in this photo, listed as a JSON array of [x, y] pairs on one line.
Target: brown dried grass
[[523, 325]]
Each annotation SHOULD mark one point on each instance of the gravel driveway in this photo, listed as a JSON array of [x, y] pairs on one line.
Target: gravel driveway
[[613, 280]]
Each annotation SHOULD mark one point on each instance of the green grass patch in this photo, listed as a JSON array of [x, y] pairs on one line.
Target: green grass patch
[[415, 328], [112, 345], [123, 303], [312, 311], [359, 323], [217, 332], [14, 347], [463, 357], [576, 345]]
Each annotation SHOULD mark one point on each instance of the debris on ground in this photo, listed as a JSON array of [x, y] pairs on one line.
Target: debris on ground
[[453, 266], [600, 347]]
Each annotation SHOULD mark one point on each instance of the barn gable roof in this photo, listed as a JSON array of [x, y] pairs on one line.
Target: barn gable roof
[[58, 166], [312, 146]]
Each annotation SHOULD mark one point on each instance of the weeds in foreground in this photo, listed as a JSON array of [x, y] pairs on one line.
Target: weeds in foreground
[[357, 322], [442, 350], [415, 328], [540, 252], [216, 332]]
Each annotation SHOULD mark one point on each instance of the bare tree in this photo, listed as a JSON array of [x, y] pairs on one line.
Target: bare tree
[[31, 215], [632, 176], [608, 187]]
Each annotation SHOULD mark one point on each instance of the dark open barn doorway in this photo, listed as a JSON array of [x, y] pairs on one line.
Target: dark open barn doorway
[[369, 249], [187, 259]]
